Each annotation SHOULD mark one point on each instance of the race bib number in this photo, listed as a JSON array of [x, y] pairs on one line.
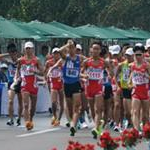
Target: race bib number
[[28, 70], [55, 73], [72, 73], [95, 74], [139, 78], [126, 74]]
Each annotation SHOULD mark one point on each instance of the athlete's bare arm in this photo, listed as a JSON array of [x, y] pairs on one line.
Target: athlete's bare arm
[[17, 73], [148, 69], [117, 73], [4, 55], [109, 68], [64, 49], [54, 66], [84, 67]]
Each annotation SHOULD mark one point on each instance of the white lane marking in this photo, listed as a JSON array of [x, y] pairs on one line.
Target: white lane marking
[[38, 132]]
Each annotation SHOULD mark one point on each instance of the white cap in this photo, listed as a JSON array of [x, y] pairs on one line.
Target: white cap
[[29, 44], [78, 46], [110, 49], [138, 44], [3, 65], [115, 49], [147, 43], [129, 51], [56, 49]]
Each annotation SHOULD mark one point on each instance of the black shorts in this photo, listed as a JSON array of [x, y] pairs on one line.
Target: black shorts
[[16, 87], [72, 88], [126, 93], [108, 93]]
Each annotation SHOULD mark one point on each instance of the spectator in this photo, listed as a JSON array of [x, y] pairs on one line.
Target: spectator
[[3, 72], [43, 54]]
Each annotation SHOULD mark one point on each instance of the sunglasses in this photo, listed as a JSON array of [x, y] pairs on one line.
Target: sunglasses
[[138, 54], [28, 48]]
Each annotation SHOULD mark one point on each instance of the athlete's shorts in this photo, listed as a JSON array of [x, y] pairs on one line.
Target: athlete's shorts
[[141, 92], [93, 89], [126, 93], [15, 86], [56, 85], [108, 93], [72, 88], [29, 89]]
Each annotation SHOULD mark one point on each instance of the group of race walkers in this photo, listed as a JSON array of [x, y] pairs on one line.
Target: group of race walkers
[[111, 85]]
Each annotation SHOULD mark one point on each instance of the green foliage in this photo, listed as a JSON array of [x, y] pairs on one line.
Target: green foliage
[[120, 13]]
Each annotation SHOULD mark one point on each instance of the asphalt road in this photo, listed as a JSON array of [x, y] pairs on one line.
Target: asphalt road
[[44, 136]]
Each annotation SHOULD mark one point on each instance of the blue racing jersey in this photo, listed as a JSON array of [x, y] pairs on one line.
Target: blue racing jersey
[[71, 70]]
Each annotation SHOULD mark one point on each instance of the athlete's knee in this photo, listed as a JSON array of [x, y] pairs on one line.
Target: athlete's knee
[[26, 106], [117, 104], [135, 112], [10, 102]]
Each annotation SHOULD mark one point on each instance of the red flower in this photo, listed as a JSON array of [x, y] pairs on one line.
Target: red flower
[[146, 131], [107, 142], [78, 146], [130, 137], [54, 149]]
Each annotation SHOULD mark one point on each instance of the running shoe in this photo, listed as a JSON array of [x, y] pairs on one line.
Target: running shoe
[[18, 122], [72, 131], [53, 120], [56, 123], [10, 122], [83, 125], [68, 124], [111, 123], [29, 125], [125, 123], [95, 133], [117, 129]]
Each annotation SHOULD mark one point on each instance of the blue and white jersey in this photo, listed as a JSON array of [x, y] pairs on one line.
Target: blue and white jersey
[[106, 80], [11, 71], [71, 70]]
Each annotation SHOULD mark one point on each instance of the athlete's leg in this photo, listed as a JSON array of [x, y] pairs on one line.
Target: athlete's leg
[[33, 99], [145, 110], [99, 108], [61, 102], [54, 97], [136, 106], [11, 95], [25, 99], [20, 105], [76, 108]]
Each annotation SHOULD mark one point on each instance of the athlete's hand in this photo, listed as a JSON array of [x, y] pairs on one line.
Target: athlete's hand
[[70, 42], [85, 76]]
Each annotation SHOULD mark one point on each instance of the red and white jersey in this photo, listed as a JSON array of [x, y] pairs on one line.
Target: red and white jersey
[[28, 68], [95, 71], [56, 73], [139, 74]]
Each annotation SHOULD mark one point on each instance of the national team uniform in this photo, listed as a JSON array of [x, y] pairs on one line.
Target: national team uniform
[[55, 77], [124, 78], [140, 81], [10, 75], [94, 85], [29, 79], [71, 72]]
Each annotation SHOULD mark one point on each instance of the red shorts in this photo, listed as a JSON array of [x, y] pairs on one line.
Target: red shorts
[[56, 85], [93, 88], [30, 89], [141, 92]]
